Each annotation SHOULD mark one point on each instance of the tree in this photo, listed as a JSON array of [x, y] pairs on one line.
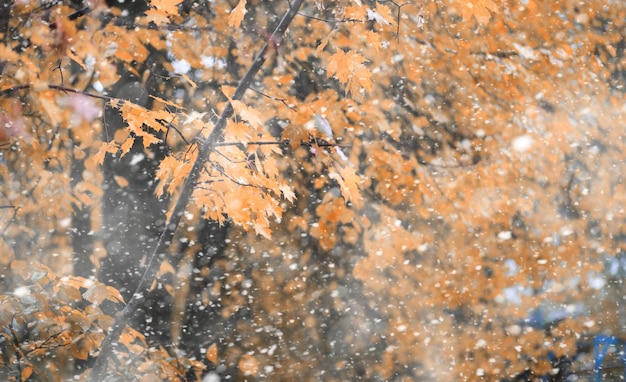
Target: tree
[[427, 190]]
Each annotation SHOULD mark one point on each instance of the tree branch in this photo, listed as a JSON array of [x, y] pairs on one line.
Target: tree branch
[[98, 372]]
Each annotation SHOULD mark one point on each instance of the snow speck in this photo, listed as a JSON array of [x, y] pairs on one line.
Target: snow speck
[[596, 281], [137, 158], [211, 62], [21, 291], [522, 143], [505, 235], [373, 15], [97, 86], [211, 377], [181, 66], [526, 52]]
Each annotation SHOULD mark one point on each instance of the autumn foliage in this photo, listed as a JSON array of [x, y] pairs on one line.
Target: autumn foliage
[[430, 190]]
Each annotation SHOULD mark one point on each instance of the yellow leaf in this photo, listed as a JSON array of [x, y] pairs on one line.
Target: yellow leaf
[[236, 15]]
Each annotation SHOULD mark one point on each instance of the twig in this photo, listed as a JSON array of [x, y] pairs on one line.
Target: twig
[[13, 89], [99, 370], [281, 100], [283, 142], [329, 20]]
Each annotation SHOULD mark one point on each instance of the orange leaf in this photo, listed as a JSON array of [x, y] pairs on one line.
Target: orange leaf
[[127, 145], [248, 365], [237, 14], [105, 147], [296, 134], [254, 118], [349, 183], [348, 68], [167, 7], [27, 372], [189, 81], [169, 103], [287, 192], [211, 354], [80, 351], [121, 181], [100, 292], [480, 9]]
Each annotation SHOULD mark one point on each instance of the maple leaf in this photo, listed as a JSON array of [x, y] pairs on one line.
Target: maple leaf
[[247, 113], [105, 147], [238, 132], [287, 192], [348, 182], [237, 14], [382, 15], [127, 145], [348, 68]]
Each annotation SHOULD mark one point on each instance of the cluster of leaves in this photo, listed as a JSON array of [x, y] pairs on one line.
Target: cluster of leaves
[[478, 180], [50, 322], [54, 326], [485, 178]]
